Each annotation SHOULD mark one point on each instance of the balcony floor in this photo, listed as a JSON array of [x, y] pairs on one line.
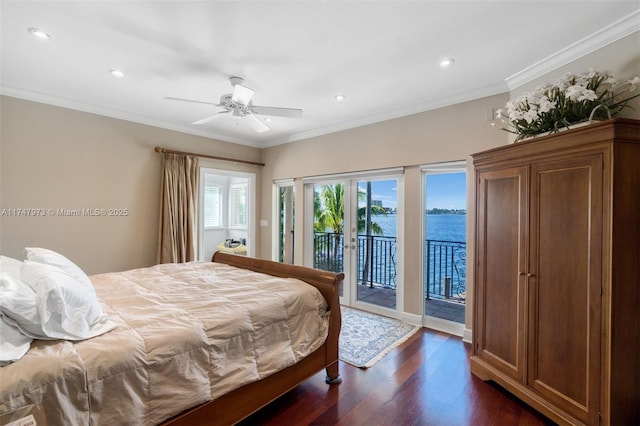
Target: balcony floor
[[377, 296], [447, 310]]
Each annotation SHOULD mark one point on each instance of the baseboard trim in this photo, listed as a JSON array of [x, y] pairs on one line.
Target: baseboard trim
[[411, 318], [445, 326], [438, 324], [467, 335]]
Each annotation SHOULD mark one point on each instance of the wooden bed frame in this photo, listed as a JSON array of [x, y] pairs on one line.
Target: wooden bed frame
[[244, 401]]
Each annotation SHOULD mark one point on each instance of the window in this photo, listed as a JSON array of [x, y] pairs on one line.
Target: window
[[212, 206], [238, 206], [226, 209]]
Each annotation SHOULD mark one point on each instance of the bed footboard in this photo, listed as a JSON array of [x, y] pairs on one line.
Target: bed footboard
[[244, 401]]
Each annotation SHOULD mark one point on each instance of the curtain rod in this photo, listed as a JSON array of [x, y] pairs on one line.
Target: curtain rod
[[170, 151]]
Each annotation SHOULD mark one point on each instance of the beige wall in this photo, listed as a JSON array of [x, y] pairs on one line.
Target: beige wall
[[446, 134], [57, 158]]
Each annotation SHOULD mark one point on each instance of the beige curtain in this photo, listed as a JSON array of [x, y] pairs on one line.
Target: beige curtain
[[177, 236]]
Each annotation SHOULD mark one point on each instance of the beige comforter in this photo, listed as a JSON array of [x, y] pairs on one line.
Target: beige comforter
[[187, 333]]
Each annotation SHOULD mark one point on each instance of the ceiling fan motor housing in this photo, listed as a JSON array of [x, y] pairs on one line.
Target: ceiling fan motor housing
[[227, 102]]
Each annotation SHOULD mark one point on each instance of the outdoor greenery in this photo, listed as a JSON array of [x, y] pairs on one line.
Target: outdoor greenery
[[329, 217], [329, 211]]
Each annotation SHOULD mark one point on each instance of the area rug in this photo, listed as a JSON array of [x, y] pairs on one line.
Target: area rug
[[366, 338]]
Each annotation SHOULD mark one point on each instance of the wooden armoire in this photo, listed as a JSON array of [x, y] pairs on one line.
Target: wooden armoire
[[557, 275]]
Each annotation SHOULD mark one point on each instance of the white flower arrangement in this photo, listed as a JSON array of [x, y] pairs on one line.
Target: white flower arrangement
[[572, 99]]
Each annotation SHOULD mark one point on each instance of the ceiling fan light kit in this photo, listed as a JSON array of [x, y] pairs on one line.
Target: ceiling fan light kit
[[239, 104]]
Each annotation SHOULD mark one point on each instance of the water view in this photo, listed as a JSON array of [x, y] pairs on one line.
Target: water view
[[445, 253], [442, 227], [444, 264]]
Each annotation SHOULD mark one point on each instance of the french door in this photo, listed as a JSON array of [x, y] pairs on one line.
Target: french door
[[352, 227]]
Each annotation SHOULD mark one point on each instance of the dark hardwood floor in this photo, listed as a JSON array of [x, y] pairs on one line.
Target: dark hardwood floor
[[425, 381]]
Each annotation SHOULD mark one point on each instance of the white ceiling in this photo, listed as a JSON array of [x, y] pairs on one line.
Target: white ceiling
[[382, 55]]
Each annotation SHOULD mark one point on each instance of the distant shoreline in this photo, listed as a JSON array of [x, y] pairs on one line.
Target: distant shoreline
[[460, 212], [446, 211]]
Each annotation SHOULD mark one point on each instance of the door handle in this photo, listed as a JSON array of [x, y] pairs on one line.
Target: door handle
[[530, 275]]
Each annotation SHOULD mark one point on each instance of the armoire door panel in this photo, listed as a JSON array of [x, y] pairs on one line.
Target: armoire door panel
[[565, 252], [501, 305]]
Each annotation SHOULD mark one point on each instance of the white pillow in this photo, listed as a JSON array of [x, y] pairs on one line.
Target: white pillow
[[68, 308], [18, 305], [11, 266], [50, 257], [13, 344]]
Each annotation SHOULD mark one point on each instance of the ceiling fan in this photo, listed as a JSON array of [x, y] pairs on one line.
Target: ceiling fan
[[238, 104]]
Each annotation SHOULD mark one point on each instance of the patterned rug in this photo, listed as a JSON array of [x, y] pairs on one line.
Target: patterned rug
[[366, 338]]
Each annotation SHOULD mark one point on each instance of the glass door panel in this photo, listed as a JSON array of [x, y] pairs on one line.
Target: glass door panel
[[286, 203], [445, 249], [354, 232], [377, 242], [330, 252]]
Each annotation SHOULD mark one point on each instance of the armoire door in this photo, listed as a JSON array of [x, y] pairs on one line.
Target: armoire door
[[565, 282], [500, 300]]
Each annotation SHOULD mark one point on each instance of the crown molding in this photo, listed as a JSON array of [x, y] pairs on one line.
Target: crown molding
[[320, 131], [119, 115], [607, 35]]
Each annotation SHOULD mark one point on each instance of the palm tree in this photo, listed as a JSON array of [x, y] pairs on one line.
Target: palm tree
[[376, 229], [329, 211], [329, 215]]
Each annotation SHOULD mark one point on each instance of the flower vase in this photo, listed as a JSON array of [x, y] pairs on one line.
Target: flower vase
[[572, 126]]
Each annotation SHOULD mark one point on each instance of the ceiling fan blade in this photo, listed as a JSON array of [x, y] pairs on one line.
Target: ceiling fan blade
[[255, 123], [170, 98], [278, 112], [210, 117], [242, 95]]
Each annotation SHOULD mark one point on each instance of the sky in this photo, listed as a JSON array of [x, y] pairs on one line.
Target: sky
[[445, 190]]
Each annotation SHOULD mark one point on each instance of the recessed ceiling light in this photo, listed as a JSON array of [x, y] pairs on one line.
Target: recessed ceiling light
[[116, 73], [268, 119], [37, 32], [447, 62], [339, 98]]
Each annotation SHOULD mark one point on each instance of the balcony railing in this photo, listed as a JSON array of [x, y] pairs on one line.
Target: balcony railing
[[444, 267], [376, 257]]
